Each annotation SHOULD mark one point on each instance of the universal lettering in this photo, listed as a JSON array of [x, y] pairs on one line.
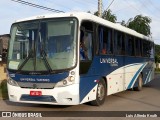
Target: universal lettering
[[108, 60]]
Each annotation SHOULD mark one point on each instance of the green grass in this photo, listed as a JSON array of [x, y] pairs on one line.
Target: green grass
[[0, 93], [3, 90], [157, 70]]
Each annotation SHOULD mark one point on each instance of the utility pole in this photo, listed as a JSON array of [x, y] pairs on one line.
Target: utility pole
[[100, 8]]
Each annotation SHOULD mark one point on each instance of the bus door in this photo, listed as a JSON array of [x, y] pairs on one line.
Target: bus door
[[86, 38], [86, 68]]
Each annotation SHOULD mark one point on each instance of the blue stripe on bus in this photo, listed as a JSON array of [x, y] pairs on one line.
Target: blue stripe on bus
[[132, 65], [135, 76], [148, 77]]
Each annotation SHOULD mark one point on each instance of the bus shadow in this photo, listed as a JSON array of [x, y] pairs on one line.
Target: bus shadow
[[155, 84], [152, 85], [131, 99], [35, 105]]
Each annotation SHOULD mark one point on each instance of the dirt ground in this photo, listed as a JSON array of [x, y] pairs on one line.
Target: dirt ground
[[2, 72]]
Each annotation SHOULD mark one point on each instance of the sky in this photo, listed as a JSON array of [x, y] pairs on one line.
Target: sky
[[123, 9]]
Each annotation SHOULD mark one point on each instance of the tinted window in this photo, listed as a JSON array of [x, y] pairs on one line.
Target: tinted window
[[138, 47], [147, 49], [119, 43], [105, 38], [130, 45]]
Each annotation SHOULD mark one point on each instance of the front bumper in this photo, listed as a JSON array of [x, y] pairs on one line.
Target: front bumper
[[68, 95]]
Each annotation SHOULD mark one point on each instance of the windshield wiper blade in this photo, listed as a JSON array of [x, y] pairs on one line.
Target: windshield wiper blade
[[43, 53], [25, 61]]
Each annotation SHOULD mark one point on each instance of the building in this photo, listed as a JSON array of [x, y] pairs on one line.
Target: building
[[4, 45]]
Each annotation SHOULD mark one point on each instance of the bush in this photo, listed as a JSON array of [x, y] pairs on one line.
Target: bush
[[157, 69], [3, 90]]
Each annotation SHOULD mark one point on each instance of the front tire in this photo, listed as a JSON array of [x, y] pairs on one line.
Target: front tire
[[140, 83], [101, 93]]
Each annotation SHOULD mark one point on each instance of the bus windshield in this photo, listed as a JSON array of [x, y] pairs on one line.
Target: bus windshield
[[43, 45]]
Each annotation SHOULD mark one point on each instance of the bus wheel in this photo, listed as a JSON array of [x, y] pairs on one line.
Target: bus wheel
[[101, 93], [140, 83]]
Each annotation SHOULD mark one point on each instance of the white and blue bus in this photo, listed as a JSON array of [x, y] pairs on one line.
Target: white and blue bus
[[73, 58]]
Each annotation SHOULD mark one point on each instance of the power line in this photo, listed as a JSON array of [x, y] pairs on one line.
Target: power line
[[58, 4], [147, 5], [37, 6], [84, 3], [110, 5], [138, 11]]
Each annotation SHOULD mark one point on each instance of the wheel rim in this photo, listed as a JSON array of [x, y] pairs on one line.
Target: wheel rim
[[101, 91]]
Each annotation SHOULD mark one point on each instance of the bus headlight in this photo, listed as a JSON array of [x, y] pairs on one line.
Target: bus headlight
[[71, 78], [68, 81], [64, 82], [12, 82]]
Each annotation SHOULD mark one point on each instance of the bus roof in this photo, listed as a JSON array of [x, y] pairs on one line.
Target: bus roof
[[87, 16]]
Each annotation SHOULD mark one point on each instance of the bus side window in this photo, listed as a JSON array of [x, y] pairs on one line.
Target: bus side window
[[86, 46], [119, 43], [130, 45], [105, 40], [144, 48], [89, 44], [123, 45], [138, 45], [152, 50], [147, 49], [102, 49]]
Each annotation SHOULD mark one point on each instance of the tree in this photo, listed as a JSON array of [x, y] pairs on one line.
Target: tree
[[107, 15], [123, 23], [157, 53], [140, 24], [96, 13]]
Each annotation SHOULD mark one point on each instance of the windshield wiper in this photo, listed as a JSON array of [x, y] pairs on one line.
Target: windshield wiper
[[32, 52], [25, 61], [43, 54]]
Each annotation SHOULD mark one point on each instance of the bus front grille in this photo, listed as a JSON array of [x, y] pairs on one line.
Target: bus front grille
[[36, 85], [43, 98]]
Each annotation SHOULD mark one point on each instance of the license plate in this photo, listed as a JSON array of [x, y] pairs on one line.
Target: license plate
[[35, 93]]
